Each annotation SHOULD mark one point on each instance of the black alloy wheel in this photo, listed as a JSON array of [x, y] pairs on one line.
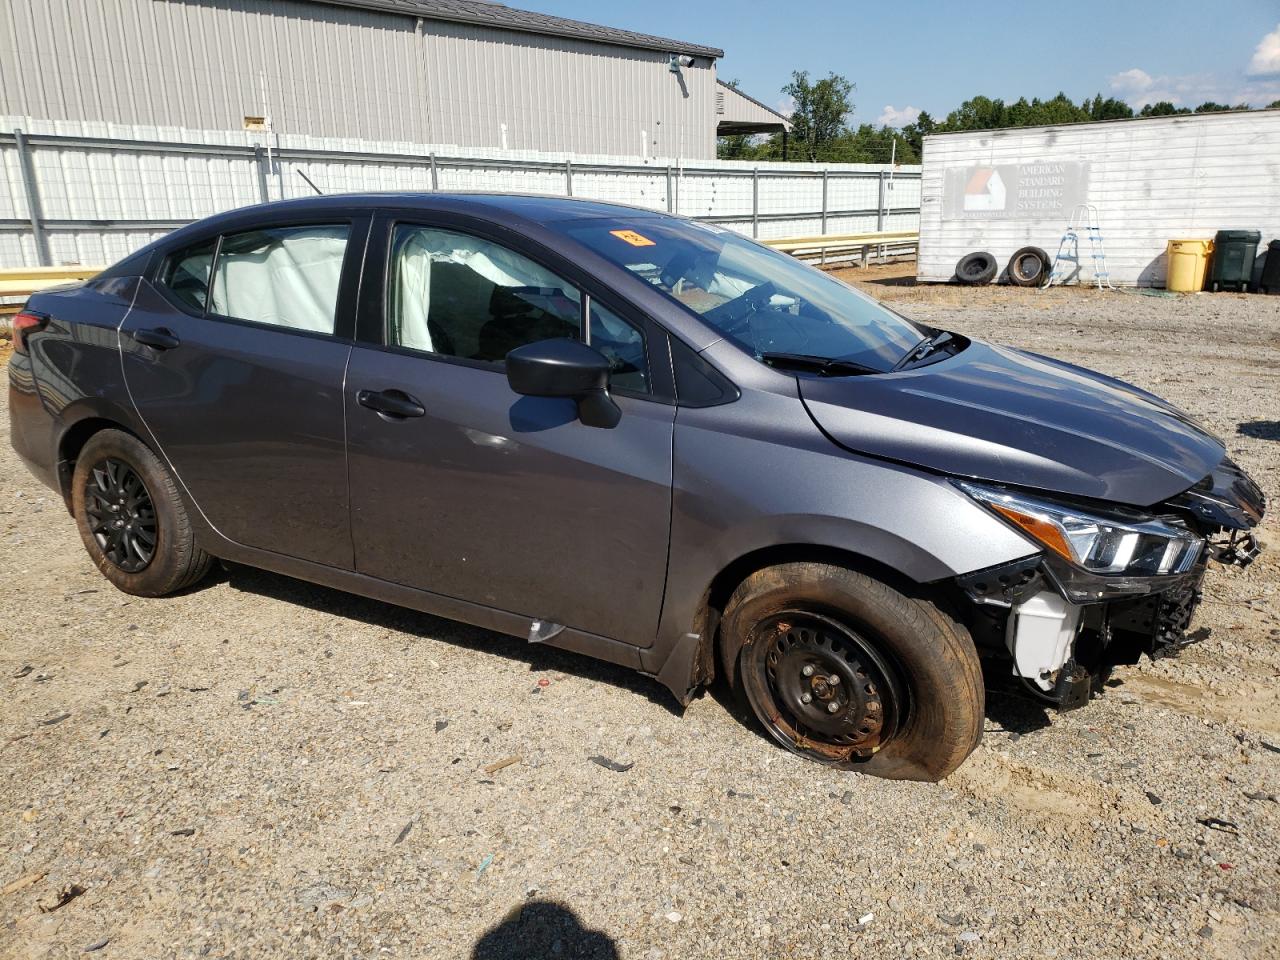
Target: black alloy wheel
[[131, 517], [122, 518]]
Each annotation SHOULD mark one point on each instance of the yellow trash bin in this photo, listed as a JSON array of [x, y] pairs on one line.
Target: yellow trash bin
[[1188, 264]]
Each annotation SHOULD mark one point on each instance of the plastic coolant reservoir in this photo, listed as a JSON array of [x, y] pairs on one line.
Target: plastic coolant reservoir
[[1040, 635]]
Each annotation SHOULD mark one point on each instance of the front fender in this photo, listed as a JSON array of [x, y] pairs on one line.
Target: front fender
[[739, 488]]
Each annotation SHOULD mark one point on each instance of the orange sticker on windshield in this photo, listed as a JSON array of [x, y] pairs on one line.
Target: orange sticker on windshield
[[633, 238]]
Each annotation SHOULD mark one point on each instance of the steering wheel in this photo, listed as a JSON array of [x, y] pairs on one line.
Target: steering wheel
[[734, 315]]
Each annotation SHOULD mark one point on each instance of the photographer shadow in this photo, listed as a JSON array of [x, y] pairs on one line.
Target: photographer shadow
[[541, 928]]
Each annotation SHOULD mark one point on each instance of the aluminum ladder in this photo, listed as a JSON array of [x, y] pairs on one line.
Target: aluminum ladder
[[1083, 217]]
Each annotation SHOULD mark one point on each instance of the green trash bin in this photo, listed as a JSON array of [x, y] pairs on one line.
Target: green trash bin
[[1233, 254]]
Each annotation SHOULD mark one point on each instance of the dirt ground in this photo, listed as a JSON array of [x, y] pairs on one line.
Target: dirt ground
[[263, 768]]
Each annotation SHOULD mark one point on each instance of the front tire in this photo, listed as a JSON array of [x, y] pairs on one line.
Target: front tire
[[131, 517], [843, 669]]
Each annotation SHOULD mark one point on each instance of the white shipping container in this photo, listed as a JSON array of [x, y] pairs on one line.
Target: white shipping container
[[1152, 181]]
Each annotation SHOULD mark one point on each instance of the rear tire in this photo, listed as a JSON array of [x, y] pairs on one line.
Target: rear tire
[[916, 709], [131, 517]]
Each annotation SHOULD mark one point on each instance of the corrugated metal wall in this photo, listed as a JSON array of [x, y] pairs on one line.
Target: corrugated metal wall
[[110, 188], [735, 107], [1152, 181], [333, 71]]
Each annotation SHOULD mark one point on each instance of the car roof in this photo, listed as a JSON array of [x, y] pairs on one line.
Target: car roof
[[511, 209], [532, 207]]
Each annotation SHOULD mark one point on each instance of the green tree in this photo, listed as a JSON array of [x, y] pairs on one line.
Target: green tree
[[1162, 108], [869, 144], [1274, 106], [914, 133], [1041, 113], [1108, 109], [821, 130], [819, 114], [978, 113]]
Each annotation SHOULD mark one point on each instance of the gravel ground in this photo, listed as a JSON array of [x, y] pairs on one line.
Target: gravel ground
[[263, 768]]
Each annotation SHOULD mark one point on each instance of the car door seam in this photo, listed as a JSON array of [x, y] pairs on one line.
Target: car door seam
[[346, 453], [370, 225], [142, 420], [671, 498]]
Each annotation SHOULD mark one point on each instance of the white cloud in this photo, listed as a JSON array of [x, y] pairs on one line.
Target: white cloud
[[1138, 88], [1266, 59], [891, 116], [1132, 82], [786, 106], [1259, 87]]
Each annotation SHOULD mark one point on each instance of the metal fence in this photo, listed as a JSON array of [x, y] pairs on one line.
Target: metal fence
[[86, 196]]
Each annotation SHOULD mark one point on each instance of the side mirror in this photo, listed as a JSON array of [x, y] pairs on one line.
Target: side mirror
[[565, 368]]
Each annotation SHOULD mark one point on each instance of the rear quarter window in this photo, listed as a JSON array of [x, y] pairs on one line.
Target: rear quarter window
[[186, 274]]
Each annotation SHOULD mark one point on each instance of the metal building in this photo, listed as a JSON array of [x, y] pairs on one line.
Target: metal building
[[451, 72], [1151, 180]]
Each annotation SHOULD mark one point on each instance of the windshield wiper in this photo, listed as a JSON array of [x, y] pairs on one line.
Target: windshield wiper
[[925, 348], [823, 366]]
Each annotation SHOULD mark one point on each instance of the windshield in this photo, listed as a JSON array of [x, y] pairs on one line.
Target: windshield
[[762, 300]]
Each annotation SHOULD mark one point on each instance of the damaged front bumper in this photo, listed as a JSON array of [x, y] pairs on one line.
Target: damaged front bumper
[[1064, 627]]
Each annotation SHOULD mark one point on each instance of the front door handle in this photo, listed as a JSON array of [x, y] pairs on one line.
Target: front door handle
[[393, 403], [161, 338]]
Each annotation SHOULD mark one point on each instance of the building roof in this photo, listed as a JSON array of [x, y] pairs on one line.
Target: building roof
[[484, 13], [742, 113]]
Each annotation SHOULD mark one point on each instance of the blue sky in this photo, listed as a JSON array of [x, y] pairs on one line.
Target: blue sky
[[929, 54]]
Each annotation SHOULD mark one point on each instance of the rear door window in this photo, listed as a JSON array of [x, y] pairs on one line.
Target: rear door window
[[281, 276]]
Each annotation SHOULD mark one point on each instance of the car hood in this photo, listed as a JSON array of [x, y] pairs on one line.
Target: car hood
[[1003, 415]]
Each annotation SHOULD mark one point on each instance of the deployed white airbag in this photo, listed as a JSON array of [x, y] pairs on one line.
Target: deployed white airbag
[[424, 246], [288, 279]]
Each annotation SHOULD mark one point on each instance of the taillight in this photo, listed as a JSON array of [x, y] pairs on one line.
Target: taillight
[[25, 324]]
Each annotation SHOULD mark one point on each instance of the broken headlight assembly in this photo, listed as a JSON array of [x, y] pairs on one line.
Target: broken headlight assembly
[[1092, 553]]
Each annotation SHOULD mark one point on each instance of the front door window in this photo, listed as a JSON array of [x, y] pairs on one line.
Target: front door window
[[461, 296]]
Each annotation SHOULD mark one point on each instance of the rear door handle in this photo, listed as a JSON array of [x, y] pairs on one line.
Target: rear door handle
[[161, 338], [393, 403]]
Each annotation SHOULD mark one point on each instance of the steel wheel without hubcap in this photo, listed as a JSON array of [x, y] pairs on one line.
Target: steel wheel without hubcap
[[849, 671], [833, 696], [121, 516]]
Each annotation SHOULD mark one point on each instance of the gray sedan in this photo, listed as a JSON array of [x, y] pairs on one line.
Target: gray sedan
[[634, 436]]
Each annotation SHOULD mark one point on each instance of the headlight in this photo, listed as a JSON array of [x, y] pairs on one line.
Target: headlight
[[1129, 545]]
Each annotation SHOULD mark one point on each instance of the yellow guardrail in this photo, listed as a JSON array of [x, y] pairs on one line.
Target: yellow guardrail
[[21, 282], [820, 245], [24, 281]]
